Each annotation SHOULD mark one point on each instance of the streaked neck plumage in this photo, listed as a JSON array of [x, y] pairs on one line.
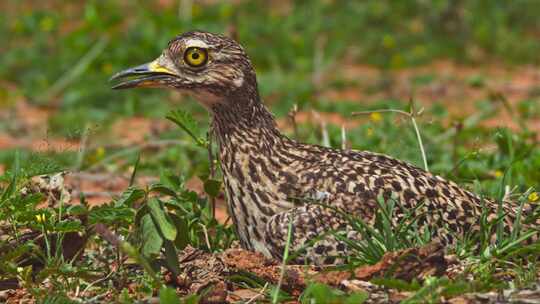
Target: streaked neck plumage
[[249, 143]]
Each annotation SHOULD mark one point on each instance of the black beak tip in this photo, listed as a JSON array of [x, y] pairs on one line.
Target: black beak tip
[[114, 78], [136, 71]]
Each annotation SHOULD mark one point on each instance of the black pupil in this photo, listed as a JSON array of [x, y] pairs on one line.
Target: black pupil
[[195, 55]]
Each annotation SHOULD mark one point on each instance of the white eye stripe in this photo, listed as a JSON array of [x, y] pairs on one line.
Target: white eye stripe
[[196, 43]]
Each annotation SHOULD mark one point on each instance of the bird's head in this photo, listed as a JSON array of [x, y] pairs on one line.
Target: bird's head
[[211, 67]]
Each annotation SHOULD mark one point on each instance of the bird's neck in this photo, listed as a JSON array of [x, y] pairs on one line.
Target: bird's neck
[[248, 140], [243, 114]]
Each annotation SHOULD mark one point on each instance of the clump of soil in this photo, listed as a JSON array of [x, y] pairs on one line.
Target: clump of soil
[[211, 274]]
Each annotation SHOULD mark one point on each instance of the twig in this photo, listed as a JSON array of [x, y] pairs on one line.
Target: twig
[[292, 116], [411, 115], [80, 155], [82, 148], [343, 137], [325, 137], [257, 296], [417, 131], [97, 297], [508, 193], [96, 282], [284, 262], [206, 238], [324, 130]]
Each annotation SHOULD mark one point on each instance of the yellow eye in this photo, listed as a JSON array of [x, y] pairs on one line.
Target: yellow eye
[[196, 57]]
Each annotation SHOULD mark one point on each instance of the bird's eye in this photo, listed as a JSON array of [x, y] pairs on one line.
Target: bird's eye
[[196, 57]]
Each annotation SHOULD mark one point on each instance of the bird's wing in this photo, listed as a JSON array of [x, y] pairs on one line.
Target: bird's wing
[[312, 239]]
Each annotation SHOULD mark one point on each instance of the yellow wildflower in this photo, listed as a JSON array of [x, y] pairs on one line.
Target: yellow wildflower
[[369, 132], [40, 218], [375, 116], [498, 173], [533, 197]]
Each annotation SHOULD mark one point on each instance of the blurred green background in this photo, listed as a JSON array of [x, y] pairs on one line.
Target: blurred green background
[[473, 66]]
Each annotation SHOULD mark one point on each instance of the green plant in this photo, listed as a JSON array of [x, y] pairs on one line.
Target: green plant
[[320, 293], [42, 244]]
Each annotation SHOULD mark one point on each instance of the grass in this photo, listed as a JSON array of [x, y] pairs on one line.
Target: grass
[[58, 57]]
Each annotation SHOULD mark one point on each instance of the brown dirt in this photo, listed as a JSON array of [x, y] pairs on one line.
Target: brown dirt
[[203, 271], [137, 130], [410, 264], [16, 296]]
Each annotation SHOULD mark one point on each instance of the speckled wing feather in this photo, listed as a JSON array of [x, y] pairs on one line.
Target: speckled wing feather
[[351, 182]]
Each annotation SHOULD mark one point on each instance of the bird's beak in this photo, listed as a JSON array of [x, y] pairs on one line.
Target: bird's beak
[[143, 76]]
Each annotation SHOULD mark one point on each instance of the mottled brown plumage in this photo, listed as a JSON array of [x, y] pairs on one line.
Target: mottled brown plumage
[[270, 179]]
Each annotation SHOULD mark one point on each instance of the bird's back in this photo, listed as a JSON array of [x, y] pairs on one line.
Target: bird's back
[[356, 181]]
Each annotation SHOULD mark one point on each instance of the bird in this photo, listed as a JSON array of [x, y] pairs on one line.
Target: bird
[[283, 192]]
